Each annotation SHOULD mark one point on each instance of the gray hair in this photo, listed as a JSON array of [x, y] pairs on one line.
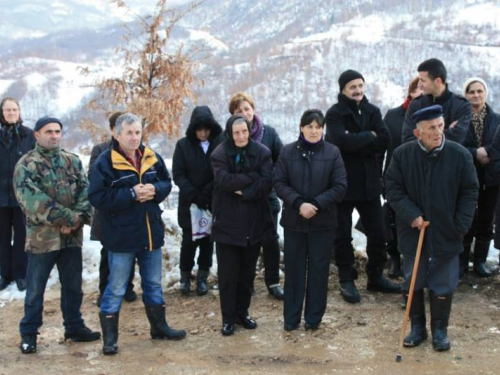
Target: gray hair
[[127, 119]]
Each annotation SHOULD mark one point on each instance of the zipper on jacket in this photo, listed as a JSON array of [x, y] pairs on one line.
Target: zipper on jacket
[[148, 226]]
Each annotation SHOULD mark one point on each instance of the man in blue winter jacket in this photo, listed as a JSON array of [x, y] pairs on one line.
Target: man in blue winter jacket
[[128, 183]]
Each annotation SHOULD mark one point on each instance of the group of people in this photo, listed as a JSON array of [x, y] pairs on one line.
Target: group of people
[[442, 165]]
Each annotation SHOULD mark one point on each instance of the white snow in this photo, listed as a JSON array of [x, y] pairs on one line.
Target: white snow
[[208, 38]]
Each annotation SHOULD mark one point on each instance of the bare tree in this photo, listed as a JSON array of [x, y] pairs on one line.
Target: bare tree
[[155, 83]]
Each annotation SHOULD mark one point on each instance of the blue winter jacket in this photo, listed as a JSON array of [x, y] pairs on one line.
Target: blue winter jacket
[[128, 225]]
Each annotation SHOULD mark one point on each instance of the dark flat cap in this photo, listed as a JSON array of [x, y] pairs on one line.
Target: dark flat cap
[[427, 113], [46, 120]]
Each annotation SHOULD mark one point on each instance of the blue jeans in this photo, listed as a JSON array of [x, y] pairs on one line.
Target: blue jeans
[[119, 273], [69, 265]]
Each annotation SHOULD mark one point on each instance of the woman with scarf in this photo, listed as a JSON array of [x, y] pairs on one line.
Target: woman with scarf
[[310, 178], [243, 104], [15, 141], [241, 218], [483, 142], [394, 119]]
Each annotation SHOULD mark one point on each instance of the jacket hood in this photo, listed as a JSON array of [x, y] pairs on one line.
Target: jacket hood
[[202, 117]]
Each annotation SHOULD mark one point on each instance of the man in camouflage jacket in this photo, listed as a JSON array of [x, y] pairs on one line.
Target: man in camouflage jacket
[[51, 187]]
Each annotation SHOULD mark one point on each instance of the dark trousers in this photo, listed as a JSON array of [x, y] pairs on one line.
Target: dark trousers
[[69, 265], [104, 272], [236, 273], [439, 275], [370, 213], [13, 258], [188, 252], [307, 264], [482, 225], [271, 258]]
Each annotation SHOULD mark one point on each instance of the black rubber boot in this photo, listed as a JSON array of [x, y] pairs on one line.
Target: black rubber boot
[[159, 327], [185, 282], [349, 291], [440, 316], [417, 315], [109, 326], [464, 261], [381, 284], [395, 267], [481, 249], [201, 282]]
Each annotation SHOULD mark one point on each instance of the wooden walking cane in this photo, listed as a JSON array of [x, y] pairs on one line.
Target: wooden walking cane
[[399, 357]]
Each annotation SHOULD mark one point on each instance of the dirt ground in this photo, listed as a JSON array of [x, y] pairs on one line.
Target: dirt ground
[[353, 339]]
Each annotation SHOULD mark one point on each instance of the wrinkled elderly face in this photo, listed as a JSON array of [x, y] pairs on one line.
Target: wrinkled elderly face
[[240, 134], [11, 112], [49, 137], [246, 110], [430, 133], [130, 137], [476, 94], [312, 132], [355, 89]]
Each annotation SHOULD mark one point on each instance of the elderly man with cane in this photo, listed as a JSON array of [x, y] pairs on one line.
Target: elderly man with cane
[[431, 179]]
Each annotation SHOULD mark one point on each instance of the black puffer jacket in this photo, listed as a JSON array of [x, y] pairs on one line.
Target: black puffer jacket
[[442, 187], [489, 174], [242, 220], [455, 108], [315, 176], [23, 141], [191, 168], [350, 129]]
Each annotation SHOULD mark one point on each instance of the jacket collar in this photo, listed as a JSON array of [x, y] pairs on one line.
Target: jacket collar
[[120, 163], [252, 148], [435, 151]]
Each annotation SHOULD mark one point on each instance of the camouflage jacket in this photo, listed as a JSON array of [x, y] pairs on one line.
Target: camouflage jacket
[[51, 188]]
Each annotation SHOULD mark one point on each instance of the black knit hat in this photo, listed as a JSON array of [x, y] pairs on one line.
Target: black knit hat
[[46, 120], [347, 77]]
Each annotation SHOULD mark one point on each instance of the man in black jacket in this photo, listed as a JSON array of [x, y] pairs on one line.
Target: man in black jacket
[[96, 228], [435, 180], [457, 112], [355, 126]]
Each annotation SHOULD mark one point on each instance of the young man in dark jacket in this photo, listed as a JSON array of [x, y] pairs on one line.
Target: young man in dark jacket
[[15, 141], [192, 173], [457, 112], [128, 184], [355, 126], [434, 180], [96, 228]]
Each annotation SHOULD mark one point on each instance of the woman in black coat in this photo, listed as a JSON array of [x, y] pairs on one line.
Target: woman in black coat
[[15, 141], [310, 178], [243, 104], [241, 218], [483, 142], [193, 175]]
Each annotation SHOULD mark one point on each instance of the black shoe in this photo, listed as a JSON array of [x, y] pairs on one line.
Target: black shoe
[[160, 330], [201, 282], [130, 295], [28, 344], [4, 283], [82, 334], [440, 315], [395, 267], [418, 332], [381, 284], [227, 329], [109, 326], [21, 284], [349, 291], [185, 282], [247, 322], [311, 327], [480, 270], [277, 292], [290, 327]]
